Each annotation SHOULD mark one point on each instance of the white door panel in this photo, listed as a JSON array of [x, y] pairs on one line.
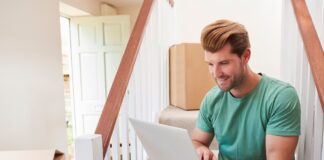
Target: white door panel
[[89, 76], [97, 47], [112, 60]]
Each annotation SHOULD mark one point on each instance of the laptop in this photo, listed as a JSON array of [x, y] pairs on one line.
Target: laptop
[[162, 142]]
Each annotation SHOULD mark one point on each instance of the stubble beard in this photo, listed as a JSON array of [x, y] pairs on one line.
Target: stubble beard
[[235, 81]]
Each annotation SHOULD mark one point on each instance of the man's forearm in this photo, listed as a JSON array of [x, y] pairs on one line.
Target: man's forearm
[[201, 141], [198, 144]]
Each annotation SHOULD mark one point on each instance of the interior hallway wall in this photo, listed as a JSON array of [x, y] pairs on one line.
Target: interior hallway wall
[[31, 94], [132, 11], [261, 18], [90, 6]]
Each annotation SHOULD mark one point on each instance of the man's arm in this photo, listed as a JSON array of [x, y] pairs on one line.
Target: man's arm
[[201, 141], [280, 147]]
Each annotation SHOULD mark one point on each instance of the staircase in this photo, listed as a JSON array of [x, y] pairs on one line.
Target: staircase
[[140, 99]]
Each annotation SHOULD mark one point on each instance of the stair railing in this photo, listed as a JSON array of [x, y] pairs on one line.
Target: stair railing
[[116, 95], [312, 45]]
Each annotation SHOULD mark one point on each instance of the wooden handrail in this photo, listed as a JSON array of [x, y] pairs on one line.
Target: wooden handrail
[[312, 45], [116, 95]]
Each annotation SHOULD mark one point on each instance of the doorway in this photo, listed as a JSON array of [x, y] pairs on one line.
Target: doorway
[[66, 55]]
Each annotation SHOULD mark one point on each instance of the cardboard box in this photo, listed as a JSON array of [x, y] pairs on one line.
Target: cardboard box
[[50, 154], [190, 79]]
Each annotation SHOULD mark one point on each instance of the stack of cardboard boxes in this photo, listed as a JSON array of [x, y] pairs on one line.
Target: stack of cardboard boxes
[[190, 79]]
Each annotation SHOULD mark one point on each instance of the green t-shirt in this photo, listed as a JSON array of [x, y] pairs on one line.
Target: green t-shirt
[[241, 124]]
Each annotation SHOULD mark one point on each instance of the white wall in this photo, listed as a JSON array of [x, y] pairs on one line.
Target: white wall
[[31, 94], [132, 11], [107, 10], [90, 6], [261, 18]]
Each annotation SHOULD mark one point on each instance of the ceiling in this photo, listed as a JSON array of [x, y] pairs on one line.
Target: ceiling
[[123, 3]]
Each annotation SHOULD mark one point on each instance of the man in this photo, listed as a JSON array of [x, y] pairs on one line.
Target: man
[[251, 115]]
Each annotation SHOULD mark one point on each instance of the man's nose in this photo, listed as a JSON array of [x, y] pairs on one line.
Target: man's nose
[[217, 72]]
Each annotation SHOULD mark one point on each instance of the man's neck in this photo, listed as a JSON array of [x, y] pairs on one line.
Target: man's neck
[[249, 83]]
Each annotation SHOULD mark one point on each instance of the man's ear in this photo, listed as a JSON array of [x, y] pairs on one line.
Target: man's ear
[[246, 55]]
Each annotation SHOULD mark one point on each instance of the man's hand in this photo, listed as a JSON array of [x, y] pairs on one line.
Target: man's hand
[[205, 154]]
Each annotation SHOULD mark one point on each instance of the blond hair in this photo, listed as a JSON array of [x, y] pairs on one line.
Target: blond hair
[[216, 35]]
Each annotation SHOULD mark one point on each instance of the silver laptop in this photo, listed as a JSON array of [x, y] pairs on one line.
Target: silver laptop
[[162, 142]]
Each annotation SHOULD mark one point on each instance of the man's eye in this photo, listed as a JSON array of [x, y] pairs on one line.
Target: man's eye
[[224, 62], [210, 64]]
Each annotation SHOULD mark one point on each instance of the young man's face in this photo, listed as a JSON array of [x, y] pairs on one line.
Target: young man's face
[[227, 69]]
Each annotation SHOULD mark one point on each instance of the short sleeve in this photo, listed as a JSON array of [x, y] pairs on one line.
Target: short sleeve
[[203, 121], [285, 115]]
